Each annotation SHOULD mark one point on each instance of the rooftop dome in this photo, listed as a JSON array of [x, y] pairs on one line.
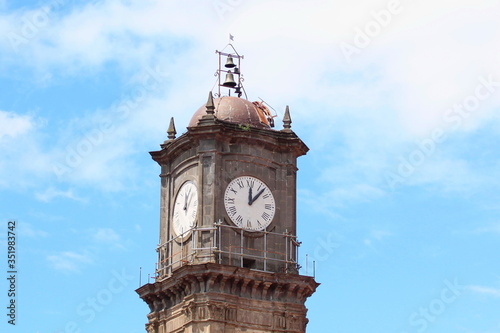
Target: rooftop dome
[[237, 110]]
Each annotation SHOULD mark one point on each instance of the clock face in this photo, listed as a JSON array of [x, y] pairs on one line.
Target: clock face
[[185, 208], [249, 203]]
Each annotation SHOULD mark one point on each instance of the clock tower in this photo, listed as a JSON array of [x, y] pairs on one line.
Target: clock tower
[[227, 257]]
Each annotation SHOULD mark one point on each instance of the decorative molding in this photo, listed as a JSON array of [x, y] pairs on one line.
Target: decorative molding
[[225, 131], [217, 293]]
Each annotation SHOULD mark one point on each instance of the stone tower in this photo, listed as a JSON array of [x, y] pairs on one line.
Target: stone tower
[[227, 258]]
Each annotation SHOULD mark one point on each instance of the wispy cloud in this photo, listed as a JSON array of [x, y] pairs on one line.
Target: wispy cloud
[[493, 228], [394, 92], [69, 262], [51, 193], [28, 230], [102, 239], [21, 154], [13, 125], [109, 237], [487, 291], [376, 235], [331, 200], [106, 235]]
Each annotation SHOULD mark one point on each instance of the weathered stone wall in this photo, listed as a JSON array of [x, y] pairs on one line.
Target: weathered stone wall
[[200, 295], [214, 154], [220, 298]]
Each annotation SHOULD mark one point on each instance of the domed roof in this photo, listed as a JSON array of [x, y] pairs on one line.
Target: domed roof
[[237, 110]]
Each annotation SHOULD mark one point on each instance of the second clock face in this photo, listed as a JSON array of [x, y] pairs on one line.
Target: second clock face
[[249, 203], [185, 208]]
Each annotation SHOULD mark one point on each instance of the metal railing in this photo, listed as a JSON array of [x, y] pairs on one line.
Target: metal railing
[[230, 245]]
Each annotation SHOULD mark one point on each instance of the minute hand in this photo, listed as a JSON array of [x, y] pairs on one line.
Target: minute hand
[[250, 196], [256, 196]]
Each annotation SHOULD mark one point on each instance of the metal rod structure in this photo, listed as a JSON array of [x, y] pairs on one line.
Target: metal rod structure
[[220, 70], [170, 260], [235, 54], [265, 251], [218, 74], [297, 266], [220, 244], [241, 250], [286, 249]]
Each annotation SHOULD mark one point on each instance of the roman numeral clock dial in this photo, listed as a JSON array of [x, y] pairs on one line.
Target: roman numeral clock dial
[[249, 203], [185, 208]]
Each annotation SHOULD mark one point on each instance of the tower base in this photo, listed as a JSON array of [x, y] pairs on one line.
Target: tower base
[[214, 298]]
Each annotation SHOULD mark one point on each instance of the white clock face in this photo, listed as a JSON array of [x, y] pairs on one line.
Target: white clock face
[[249, 203], [185, 208]]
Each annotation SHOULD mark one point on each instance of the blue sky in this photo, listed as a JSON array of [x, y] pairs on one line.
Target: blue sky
[[398, 198]]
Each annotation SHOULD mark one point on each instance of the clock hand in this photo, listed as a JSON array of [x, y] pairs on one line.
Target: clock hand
[[257, 196], [189, 200], [250, 196], [186, 199]]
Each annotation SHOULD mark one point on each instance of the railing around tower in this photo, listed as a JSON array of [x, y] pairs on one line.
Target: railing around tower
[[224, 244]]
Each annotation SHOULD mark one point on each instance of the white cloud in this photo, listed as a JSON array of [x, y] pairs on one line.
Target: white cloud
[[380, 234], [89, 35], [27, 230], [68, 261], [376, 235], [331, 201], [487, 291], [395, 91], [72, 262], [21, 155], [106, 235], [52, 193], [493, 228], [109, 237], [13, 125]]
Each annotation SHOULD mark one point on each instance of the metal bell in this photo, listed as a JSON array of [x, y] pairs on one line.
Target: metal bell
[[238, 91], [229, 62], [229, 80]]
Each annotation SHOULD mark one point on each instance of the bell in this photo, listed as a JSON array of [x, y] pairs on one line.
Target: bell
[[229, 80], [229, 62], [236, 70], [237, 91]]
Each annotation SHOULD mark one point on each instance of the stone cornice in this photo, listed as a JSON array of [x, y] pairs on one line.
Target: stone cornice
[[228, 280], [235, 133]]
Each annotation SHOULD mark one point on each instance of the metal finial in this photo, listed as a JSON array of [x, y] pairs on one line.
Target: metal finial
[[287, 121], [171, 130], [210, 104]]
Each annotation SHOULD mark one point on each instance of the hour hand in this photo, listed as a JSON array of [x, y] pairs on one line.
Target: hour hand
[[256, 196]]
